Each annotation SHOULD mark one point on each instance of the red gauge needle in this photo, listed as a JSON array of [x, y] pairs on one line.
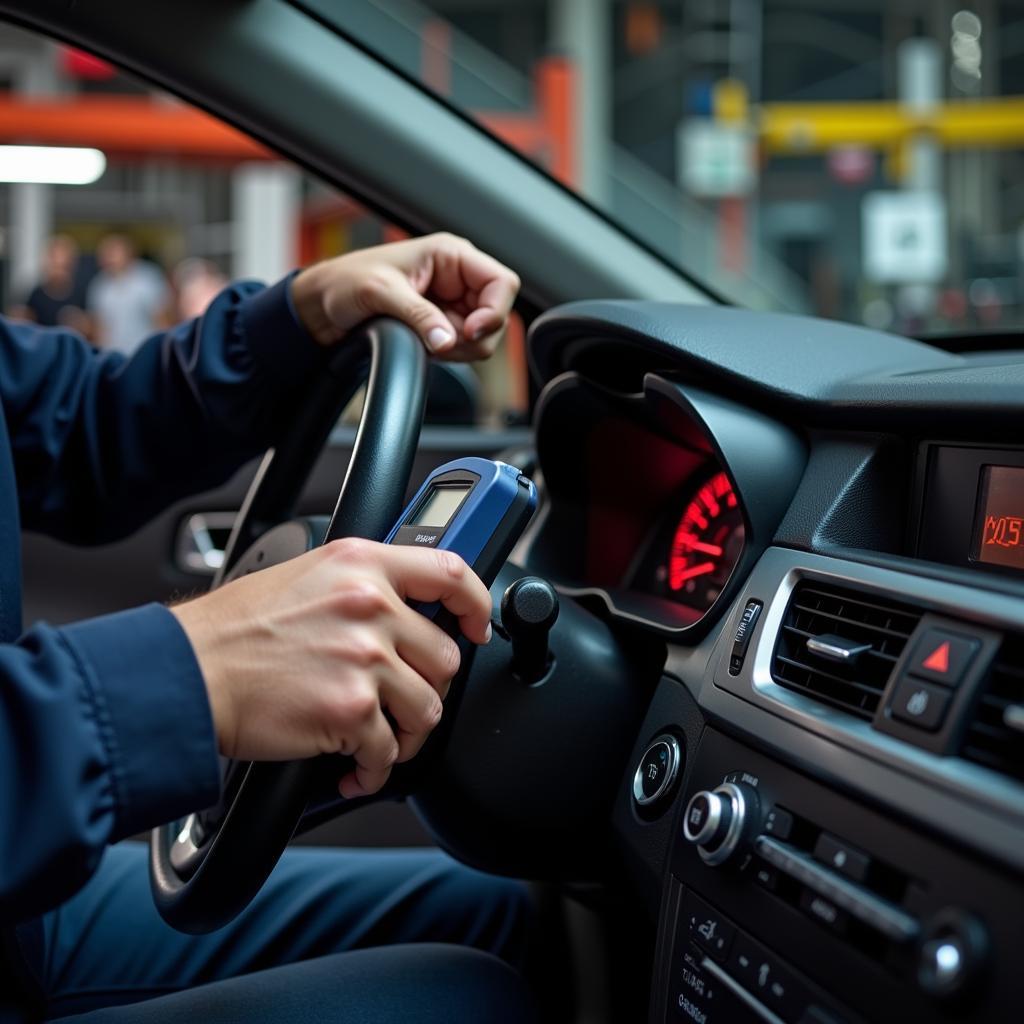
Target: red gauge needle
[[697, 570], [692, 544]]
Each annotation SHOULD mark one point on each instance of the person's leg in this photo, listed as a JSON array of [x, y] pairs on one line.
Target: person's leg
[[424, 984], [108, 945]]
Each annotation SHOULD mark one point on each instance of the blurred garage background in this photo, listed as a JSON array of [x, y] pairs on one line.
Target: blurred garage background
[[858, 159]]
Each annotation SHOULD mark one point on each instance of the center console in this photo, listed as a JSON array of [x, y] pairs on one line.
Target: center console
[[884, 923], [845, 837]]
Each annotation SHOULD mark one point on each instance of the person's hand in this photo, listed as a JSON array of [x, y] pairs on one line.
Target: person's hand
[[454, 296], [305, 657]]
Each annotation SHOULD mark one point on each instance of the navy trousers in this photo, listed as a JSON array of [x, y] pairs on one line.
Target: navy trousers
[[348, 937]]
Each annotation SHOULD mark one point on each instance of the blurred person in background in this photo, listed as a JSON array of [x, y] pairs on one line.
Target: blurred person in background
[[59, 299], [196, 283], [128, 299]]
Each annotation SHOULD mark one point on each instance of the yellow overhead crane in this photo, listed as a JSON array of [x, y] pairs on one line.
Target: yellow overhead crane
[[793, 129], [796, 129]]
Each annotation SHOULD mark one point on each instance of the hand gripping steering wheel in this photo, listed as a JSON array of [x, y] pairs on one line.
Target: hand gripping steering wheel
[[206, 869]]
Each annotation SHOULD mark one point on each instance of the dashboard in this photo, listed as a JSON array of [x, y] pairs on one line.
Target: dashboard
[[823, 808]]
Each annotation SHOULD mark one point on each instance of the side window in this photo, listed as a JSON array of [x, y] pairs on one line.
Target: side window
[[127, 210]]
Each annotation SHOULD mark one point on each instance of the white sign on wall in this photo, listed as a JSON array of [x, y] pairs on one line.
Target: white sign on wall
[[715, 159], [904, 237]]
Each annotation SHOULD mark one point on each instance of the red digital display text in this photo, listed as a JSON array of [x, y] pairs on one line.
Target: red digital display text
[[1002, 531], [999, 521]]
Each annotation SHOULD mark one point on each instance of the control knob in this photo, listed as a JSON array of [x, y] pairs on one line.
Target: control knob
[[529, 609], [716, 821], [952, 953]]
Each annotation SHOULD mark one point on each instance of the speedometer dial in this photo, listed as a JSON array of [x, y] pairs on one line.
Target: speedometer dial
[[707, 543]]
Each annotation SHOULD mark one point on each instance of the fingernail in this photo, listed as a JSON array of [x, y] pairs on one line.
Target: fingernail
[[350, 788], [478, 334], [488, 634], [438, 338]]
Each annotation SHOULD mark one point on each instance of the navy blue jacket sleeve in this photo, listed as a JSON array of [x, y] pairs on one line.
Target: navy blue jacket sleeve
[[105, 727], [101, 443], [105, 730]]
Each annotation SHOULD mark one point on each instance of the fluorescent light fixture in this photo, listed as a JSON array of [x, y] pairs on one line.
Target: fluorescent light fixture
[[51, 165]]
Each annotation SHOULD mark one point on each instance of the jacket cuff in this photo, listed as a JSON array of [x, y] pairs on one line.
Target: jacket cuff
[[281, 347], [154, 717]]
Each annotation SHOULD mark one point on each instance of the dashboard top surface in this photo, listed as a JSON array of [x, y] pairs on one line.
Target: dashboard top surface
[[825, 371]]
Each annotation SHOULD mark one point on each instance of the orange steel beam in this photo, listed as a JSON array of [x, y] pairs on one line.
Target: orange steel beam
[[124, 125], [135, 125], [556, 99], [546, 134]]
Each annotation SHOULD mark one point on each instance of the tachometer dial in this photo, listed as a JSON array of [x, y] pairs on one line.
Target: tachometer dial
[[707, 543]]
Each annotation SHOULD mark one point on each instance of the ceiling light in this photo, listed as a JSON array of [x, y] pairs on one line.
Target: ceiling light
[[51, 165]]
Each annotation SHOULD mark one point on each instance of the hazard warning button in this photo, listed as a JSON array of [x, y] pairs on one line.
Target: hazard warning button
[[942, 657]]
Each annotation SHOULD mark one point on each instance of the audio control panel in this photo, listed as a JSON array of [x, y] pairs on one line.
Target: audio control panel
[[770, 869]]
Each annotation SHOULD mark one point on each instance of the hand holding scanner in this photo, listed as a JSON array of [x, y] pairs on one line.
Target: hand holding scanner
[[477, 508]]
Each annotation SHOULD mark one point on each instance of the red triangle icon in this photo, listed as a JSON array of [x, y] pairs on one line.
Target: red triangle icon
[[938, 660]]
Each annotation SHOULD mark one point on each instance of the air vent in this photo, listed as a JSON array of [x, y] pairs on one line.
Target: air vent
[[873, 629], [995, 737]]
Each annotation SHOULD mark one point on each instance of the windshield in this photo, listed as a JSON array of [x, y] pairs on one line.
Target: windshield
[[857, 160]]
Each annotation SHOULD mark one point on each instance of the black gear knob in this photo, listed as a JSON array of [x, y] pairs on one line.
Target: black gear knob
[[529, 609]]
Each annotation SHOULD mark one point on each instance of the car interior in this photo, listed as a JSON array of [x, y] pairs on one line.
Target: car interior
[[762, 755]]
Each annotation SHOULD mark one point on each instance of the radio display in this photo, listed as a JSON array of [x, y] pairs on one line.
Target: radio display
[[999, 520]]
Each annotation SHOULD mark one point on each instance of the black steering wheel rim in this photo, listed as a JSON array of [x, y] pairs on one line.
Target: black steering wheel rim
[[268, 802]]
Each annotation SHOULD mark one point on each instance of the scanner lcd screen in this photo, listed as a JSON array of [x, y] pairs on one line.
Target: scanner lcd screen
[[440, 504]]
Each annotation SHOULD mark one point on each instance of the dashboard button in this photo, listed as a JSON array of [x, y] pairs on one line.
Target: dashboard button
[[844, 858], [823, 910], [766, 877], [743, 633], [942, 657], [708, 928], [657, 771], [765, 978], [919, 703], [743, 962], [952, 953], [779, 823]]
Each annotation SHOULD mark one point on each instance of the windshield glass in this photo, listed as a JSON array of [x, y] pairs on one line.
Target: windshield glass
[[856, 159]]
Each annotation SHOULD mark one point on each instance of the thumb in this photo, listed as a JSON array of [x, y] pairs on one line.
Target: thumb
[[402, 301]]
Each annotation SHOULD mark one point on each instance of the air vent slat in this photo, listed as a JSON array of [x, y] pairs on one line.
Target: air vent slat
[[985, 729], [825, 675], [817, 609], [989, 741], [994, 704], [836, 617]]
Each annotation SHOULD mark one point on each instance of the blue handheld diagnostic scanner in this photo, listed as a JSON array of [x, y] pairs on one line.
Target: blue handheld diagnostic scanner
[[477, 508]]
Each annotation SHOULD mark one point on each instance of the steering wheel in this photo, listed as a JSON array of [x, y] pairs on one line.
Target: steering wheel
[[207, 869]]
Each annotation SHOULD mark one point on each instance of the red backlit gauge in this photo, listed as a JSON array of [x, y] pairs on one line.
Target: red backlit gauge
[[707, 543]]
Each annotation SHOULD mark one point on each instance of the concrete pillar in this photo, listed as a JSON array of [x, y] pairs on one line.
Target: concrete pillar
[[31, 225], [31, 219], [581, 29], [265, 201], [920, 90]]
